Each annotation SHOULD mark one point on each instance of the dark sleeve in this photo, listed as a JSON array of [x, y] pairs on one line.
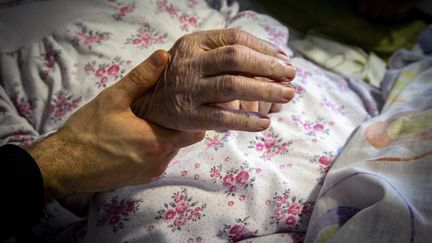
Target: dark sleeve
[[22, 191]]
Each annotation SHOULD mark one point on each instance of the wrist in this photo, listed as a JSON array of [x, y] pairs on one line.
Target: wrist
[[50, 155]]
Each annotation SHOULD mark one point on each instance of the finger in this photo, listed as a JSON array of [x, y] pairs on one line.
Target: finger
[[225, 88], [232, 105], [276, 107], [214, 118], [143, 77], [242, 59], [264, 107], [249, 105], [226, 37]]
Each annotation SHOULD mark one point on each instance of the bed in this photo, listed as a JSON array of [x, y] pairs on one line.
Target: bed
[[336, 165]]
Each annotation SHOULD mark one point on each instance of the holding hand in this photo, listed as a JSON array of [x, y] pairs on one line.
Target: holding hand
[[212, 67], [104, 145]]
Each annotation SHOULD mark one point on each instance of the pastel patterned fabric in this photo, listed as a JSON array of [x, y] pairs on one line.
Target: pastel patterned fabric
[[232, 186], [380, 188]]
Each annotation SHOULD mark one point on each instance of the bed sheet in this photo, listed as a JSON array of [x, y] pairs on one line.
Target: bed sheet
[[229, 187], [380, 188]]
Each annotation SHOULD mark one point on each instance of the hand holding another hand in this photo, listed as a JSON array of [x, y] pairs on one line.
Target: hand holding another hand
[[208, 69], [104, 145]]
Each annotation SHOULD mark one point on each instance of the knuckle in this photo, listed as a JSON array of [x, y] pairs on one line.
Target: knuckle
[[228, 85], [232, 56], [235, 35], [136, 76]]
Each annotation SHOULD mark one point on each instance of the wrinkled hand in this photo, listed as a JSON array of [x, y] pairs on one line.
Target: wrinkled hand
[[214, 67], [104, 145]]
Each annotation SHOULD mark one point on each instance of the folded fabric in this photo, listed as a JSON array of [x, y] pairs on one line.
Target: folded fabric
[[343, 59], [380, 188]]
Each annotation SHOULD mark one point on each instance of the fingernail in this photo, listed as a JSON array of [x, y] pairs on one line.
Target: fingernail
[[288, 93], [156, 59], [284, 58], [264, 123]]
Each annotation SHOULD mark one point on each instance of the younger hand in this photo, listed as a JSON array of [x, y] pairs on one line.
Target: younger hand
[[104, 145]]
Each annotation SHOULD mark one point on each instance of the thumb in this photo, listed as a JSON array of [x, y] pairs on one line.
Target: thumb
[[143, 76]]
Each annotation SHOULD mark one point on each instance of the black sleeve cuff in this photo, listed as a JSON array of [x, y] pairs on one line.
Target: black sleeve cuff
[[22, 191]]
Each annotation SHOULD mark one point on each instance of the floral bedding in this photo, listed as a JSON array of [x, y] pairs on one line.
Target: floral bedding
[[232, 186]]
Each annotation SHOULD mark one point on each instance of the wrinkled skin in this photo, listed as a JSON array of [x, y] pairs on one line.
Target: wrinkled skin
[[104, 145], [209, 72]]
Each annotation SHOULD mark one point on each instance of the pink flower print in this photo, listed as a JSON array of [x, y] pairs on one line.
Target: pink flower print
[[100, 72], [215, 173], [278, 215], [183, 18], [187, 21], [169, 215], [106, 72], [232, 189], [230, 203], [234, 179], [294, 209], [103, 81], [114, 219], [325, 160], [114, 69], [269, 145], [302, 75], [237, 231], [278, 37], [182, 207], [50, 57], [178, 198], [117, 212], [192, 21], [228, 180], [314, 129], [289, 209], [88, 38], [242, 197], [242, 177], [123, 10], [211, 142], [184, 173], [171, 10], [23, 106], [259, 146], [62, 104], [196, 211], [89, 68], [217, 141], [179, 211], [291, 220], [318, 127], [180, 221], [306, 209], [147, 37]]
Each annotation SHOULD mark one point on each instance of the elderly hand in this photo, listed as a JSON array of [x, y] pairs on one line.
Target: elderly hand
[[214, 67], [104, 145]]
